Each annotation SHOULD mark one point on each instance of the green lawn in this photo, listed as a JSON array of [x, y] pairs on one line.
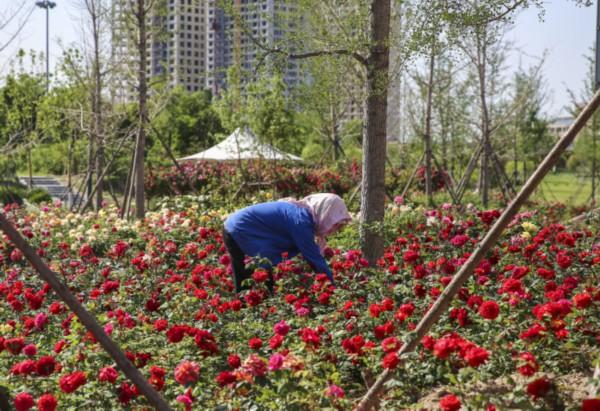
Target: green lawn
[[566, 188]]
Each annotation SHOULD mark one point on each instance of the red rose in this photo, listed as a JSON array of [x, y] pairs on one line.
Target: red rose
[[450, 403], [108, 374], [459, 240], [428, 342], [529, 364], [374, 310], [23, 401], [234, 361], [16, 255], [444, 347], [26, 367], [489, 310], [390, 344], [354, 345], [539, 388], [127, 392], [582, 300], [14, 345], [592, 404], [176, 333], [310, 337], [45, 365], [275, 341], [563, 260], [47, 402], [70, 382], [161, 324], [206, 342], [410, 256], [187, 372], [391, 360], [475, 356], [225, 378], [255, 343], [545, 273], [260, 276], [281, 328], [86, 251]]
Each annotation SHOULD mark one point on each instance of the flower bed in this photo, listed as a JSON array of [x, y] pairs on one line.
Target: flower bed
[[161, 289], [224, 179]]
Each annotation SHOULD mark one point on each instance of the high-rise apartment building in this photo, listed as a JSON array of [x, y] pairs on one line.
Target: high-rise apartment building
[[192, 43], [261, 22]]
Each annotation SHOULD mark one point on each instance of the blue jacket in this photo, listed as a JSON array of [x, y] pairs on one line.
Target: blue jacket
[[270, 229]]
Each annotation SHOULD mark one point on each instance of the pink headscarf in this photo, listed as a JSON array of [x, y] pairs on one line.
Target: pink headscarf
[[327, 210]]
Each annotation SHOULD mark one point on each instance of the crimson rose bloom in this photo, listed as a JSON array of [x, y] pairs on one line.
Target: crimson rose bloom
[[563, 260], [70, 382], [187, 372], [45, 365], [14, 345], [539, 388], [391, 360], [591, 404], [23, 401], [476, 356], [582, 300], [108, 374], [234, 361], [225, 378], [489, 310], [47, 402], [255, 343], [450, 403], [530, 365]]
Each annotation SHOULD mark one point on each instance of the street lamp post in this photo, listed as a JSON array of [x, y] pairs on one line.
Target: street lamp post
[[47, 4]]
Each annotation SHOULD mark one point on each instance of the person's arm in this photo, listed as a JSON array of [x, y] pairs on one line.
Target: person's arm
[[304, 238]]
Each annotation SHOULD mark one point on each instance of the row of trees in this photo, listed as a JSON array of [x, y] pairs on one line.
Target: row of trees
[[440, 63]]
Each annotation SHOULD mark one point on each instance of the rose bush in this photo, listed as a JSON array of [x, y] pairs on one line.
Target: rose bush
[[161, 289]]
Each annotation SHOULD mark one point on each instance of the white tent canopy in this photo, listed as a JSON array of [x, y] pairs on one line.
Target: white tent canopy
[[242, 144]]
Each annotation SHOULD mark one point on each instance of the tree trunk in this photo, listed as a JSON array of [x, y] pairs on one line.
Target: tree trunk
[[485, 125], [94, 11], [142, 115], [594, 132], [374, 142], [29, 168], [427, 135], [334, 129], [90, 165]]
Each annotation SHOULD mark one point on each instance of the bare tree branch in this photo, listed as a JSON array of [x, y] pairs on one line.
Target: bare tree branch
[[20, 26]]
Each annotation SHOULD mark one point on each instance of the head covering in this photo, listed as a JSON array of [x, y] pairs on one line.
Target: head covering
[[327, 210]]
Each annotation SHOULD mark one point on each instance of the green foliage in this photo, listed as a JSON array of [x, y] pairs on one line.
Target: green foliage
[[59, 113], [271, 116], [187, 124], [52, 158], [38, 195], [19, 100], [265, 108], [11, 194], [312, 152], [586, 148]]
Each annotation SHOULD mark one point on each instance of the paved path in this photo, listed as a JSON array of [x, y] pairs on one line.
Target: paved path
[[55, 188]]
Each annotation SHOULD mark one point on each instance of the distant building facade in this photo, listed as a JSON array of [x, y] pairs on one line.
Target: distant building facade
[[558, 126], [194, 42]]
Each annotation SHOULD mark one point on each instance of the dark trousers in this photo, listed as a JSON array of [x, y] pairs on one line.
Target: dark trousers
[[240, 271]]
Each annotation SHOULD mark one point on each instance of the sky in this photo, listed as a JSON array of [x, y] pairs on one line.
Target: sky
[[567, 32]]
